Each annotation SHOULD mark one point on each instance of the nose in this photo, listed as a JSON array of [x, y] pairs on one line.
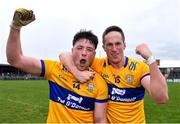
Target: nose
[[84, 52], [114, 47]]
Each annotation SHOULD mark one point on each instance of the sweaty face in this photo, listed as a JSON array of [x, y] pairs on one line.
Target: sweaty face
[[83, 53], [114, 47]]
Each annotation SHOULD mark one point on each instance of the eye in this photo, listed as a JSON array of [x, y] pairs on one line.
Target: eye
[[118, 44], [79, 48], [90, 49], [109, 45]]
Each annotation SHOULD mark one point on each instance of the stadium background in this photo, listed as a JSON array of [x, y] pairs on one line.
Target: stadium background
[[7, 72], [24, 98]]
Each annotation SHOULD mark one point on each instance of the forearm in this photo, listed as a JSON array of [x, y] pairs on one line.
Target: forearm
[[66, 59], [13, 49], [158, 85]]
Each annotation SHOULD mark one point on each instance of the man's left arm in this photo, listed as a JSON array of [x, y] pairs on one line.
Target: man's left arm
[[156, 83], [100, 115]]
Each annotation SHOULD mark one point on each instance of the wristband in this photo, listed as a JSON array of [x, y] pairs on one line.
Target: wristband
[[14, 27], [150, 60]]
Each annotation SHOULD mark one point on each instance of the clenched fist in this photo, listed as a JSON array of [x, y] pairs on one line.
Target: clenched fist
[[22, 17], [143, 50]]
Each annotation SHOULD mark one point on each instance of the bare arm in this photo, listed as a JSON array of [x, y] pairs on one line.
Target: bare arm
[[14, 52], [82, 76], [100, 115], [156, 84]]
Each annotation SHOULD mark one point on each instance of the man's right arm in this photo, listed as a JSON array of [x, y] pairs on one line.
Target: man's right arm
[[13, 50]]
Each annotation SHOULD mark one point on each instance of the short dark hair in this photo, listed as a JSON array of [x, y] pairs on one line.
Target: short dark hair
[[113, 28], [87, 35]]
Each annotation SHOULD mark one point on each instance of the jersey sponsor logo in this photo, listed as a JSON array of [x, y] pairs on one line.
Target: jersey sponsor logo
[[125, 94], [118, 91], [119, 99], [77, 99], [70, 99], [69, 103]]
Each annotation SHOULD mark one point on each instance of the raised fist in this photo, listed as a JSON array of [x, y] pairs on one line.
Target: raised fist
[[22, 17], [143, 50]]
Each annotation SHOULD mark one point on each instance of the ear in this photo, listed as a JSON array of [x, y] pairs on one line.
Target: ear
[[94, 53]]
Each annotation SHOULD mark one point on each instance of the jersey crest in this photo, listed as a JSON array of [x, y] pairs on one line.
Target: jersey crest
[[129, 78], [90, 87]]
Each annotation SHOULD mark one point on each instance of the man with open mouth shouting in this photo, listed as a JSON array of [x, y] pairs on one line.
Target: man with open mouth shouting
[[69, 100]]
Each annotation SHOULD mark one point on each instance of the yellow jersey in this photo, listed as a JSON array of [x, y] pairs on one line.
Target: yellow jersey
[[126, 94], [69, 100]]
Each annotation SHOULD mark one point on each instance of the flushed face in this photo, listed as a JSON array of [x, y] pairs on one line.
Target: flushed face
[[83, 53]]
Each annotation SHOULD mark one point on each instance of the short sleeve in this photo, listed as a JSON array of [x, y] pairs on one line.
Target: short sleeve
[[46, 68], [97, 64], [102, 89], [145, 71]]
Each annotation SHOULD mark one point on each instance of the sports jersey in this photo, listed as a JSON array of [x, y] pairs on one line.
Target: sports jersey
[[69, 100], [126, 94]]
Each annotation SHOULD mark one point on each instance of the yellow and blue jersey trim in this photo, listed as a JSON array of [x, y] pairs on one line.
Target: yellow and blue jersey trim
[[68, 98], [42, 68], [117, 94]]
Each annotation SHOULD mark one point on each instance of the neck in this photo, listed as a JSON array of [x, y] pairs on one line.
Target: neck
[[120, 64]]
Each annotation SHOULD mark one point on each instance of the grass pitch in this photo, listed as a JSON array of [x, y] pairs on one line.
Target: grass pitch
[[26, 101], [23, 101], [164, 113]]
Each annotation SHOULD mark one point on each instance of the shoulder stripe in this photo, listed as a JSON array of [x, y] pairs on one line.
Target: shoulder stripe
[[126, 62], [104, 65], [42, 68], [101, 101], [148, 74]]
